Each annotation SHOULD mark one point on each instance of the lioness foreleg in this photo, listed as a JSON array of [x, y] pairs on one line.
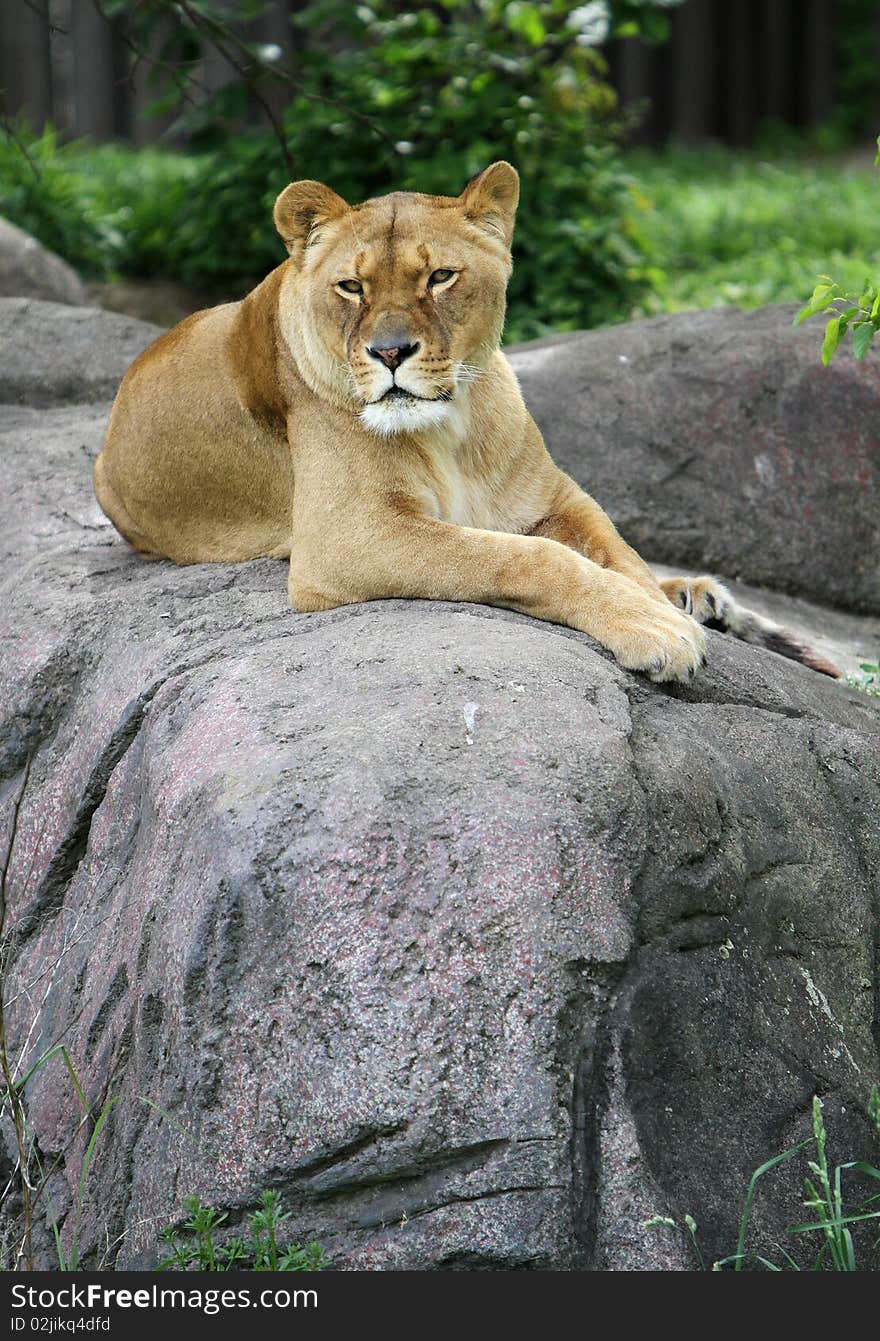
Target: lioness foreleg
[[577, 520], [415, 556]]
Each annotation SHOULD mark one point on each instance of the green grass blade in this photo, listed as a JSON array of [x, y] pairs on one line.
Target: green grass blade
[[849, 1250], [47, 1057], [84, 1173], [788, 1257], [750, 1196], [823, 1224], [869, 1169]]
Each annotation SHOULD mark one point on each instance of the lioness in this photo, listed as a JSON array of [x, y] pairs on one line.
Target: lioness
[[355, 414]]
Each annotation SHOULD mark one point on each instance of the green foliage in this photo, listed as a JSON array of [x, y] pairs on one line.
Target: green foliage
[[868, 682], [421, 99], [831, 1219], [725, 226], [641, 18], [260, 1251], [858, 312], [41, 195]]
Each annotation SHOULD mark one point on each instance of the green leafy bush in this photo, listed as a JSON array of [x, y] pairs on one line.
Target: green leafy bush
[[456, 86], [40, 194]]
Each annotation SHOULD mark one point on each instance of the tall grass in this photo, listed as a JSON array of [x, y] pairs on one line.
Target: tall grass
[[831, 1218]]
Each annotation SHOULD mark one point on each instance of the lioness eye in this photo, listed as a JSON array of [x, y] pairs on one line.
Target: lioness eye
[[350, 286], [440, 277]]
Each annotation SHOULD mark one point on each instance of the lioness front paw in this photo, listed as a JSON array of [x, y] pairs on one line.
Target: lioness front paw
[[658, 640], [706, 600]]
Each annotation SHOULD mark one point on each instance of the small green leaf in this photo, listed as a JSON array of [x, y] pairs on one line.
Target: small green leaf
[[821, 297], [863, 334], [831, 341]]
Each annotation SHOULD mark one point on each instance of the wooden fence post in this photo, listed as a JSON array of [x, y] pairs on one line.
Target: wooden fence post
[[818, 76], [694, 73], [25, 66], [96, 74], [777, 60]]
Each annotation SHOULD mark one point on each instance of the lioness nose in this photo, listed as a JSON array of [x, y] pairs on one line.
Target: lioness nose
[[392, 355]]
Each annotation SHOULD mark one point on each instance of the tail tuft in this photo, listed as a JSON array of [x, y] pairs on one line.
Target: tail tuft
[[753, 628], [788, 644]]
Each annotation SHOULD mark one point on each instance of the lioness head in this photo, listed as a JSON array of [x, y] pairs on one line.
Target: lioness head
[[400, 300]]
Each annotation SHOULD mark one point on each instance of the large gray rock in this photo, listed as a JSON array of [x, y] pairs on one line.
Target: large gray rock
[[28, 270], [51, 354], [476, 947], [717, 439]]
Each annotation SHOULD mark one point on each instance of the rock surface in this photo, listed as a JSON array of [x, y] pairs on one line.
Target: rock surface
[[717, 439], [28, 270], [476, 947], [56, 355]]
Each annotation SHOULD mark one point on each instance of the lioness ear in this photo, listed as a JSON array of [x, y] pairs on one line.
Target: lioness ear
[[301, 209], [490, 199]]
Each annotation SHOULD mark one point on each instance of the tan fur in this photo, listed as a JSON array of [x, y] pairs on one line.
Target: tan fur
[[264, 428]]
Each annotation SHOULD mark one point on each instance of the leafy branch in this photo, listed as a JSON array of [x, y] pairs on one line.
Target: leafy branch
[[858, 313]]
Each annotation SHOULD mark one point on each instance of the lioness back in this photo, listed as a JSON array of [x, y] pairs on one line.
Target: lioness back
[[187, 470]]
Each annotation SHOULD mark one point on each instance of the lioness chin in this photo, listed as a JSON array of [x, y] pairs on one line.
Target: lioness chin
[[355, 414]]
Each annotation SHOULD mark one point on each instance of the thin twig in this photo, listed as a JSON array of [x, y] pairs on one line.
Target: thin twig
[[216, 28], [285, 77], [8, 129], [230, 47], [181, 79], [44, 15]]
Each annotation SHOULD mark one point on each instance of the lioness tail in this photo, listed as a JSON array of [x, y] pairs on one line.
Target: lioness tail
[[711, 604]]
